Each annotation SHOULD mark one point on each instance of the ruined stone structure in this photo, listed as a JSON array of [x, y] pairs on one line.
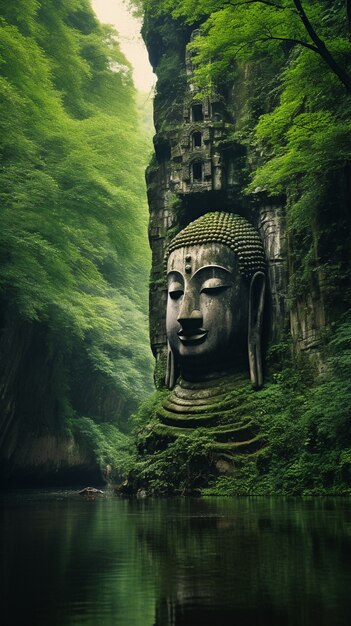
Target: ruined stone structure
[[196, 153]]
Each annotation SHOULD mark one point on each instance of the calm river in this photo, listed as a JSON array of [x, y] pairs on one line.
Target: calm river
[[174, 562]]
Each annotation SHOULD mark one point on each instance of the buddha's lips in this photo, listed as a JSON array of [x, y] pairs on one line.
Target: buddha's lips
[[188, 340]]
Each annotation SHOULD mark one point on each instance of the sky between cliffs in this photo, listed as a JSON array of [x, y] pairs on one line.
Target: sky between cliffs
[[115, 12]]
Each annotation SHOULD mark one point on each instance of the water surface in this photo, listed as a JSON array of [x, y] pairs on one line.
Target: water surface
[[174, 562]]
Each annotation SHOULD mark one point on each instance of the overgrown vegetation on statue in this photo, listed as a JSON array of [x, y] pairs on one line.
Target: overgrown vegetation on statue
[[73, 277]]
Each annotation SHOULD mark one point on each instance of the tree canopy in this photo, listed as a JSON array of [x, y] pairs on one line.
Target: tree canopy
[[73, 220]]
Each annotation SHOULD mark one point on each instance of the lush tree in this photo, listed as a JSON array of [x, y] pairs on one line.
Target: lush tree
[[74, 255], [241, 28]]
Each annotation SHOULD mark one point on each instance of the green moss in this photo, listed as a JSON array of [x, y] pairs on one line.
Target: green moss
[[159, 374]]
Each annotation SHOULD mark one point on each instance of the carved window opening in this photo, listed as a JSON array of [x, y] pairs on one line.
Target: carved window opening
[[197, 172], [197, 113], [197, 140], [216, 109]]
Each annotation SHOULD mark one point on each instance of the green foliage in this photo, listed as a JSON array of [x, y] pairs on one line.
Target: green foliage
[[307, 427], [327, 414], [109, 446], [73, 246], [182, 467], [175, 467], [146, 412]]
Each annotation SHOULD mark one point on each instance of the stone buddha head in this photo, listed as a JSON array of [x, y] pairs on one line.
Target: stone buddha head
[[216, 287]]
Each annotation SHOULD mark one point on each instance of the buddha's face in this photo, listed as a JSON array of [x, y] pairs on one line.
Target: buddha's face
[[207, 308]]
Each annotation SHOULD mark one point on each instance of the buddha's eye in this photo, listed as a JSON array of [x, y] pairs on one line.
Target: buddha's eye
[[214, 286], [175, 291], [175, 295]]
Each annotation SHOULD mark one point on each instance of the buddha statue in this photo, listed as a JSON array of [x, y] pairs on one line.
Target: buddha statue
[[216, 288]]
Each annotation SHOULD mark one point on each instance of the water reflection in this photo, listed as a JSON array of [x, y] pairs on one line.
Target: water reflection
[[176, 562], [71, 562], [255, 561]]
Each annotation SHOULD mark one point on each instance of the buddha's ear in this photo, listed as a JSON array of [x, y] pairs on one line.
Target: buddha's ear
[[170, 368], [256, 307]]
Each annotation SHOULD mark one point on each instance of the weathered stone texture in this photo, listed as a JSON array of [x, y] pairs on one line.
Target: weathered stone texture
[[272, 229]]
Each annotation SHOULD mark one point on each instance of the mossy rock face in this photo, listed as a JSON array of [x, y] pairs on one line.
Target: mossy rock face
[[222, 410]]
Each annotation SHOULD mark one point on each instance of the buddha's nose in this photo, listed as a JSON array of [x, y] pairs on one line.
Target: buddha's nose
[[189, 316]]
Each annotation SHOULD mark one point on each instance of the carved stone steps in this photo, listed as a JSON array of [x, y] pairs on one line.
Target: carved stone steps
[[167, 412], [250, 445], [241, 432], [216, 426], [229, 381], [194, 420], [224, 411], [245, 441], [222, 407], [185, 393], [182, 401]]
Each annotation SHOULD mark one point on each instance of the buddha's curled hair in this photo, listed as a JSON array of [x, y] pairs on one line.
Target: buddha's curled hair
[[231, 230]]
